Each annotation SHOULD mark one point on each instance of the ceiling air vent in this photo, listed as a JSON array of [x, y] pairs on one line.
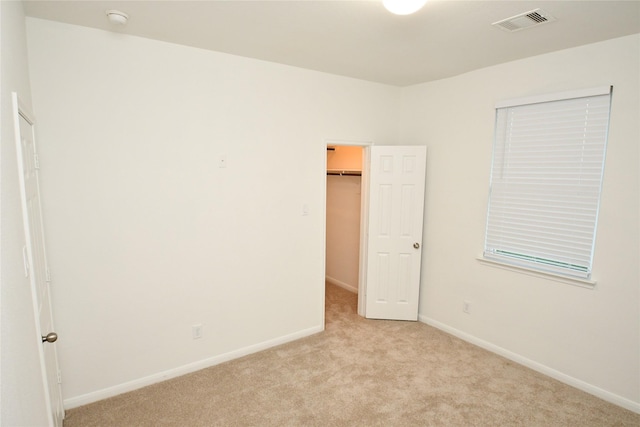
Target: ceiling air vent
[[524, 20]]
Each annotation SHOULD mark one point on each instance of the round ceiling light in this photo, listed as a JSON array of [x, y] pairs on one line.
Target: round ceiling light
[[117, 17], [403, 7]]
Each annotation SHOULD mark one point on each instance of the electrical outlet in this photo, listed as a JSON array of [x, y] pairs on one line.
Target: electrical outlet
[[466, 307], [196, 331]]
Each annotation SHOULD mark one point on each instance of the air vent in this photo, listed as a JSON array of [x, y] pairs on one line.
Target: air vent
[[524, 20]]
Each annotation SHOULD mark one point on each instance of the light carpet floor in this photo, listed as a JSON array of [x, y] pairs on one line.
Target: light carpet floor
[[359, 372]]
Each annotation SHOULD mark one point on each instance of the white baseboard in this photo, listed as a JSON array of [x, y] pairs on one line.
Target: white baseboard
[[95, 396], [543, 369], [341, 284]]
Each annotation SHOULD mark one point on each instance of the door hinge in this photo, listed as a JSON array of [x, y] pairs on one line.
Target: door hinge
[[59, 377], [25, 260], [48, 274], [36, 161]]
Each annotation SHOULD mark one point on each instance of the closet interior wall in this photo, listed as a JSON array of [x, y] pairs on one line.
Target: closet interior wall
[[344, 168]]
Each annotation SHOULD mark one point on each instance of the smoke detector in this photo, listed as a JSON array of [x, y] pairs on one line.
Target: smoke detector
[[524, 20], [117, 17]]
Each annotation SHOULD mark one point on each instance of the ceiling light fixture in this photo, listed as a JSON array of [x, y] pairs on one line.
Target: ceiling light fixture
[[117, 17], [403, 7]]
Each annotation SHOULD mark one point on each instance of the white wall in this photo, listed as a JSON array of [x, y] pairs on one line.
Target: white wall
[[148, 236], [343, 231], [588, 337], [22, 393]]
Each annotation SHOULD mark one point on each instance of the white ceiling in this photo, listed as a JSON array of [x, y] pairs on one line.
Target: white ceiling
[[360, 38]]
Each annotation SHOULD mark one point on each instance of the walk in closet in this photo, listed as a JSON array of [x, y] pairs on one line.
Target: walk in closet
[[344, 170]]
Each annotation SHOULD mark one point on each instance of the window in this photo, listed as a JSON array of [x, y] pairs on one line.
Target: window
[[546, 177]]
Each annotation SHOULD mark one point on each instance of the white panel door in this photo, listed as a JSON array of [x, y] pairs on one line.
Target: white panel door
[[394, 231], [35, 258]]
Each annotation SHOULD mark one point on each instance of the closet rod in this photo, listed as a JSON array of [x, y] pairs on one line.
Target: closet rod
[[345, 173]]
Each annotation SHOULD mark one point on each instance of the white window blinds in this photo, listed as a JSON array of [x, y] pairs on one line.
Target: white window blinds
[[548, 160]]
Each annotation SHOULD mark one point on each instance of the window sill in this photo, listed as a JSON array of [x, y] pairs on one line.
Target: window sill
[[583, 283]]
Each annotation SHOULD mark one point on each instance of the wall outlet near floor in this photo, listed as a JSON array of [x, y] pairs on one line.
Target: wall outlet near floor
[[196, 331], [466, 307]]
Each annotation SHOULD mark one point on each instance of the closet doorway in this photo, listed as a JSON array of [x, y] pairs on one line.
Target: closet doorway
[[343, 215]]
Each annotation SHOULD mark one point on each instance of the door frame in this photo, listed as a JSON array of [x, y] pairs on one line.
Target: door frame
[[364, 213]]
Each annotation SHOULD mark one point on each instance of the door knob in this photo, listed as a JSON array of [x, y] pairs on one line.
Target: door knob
[[50, 337], [416, 245]]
